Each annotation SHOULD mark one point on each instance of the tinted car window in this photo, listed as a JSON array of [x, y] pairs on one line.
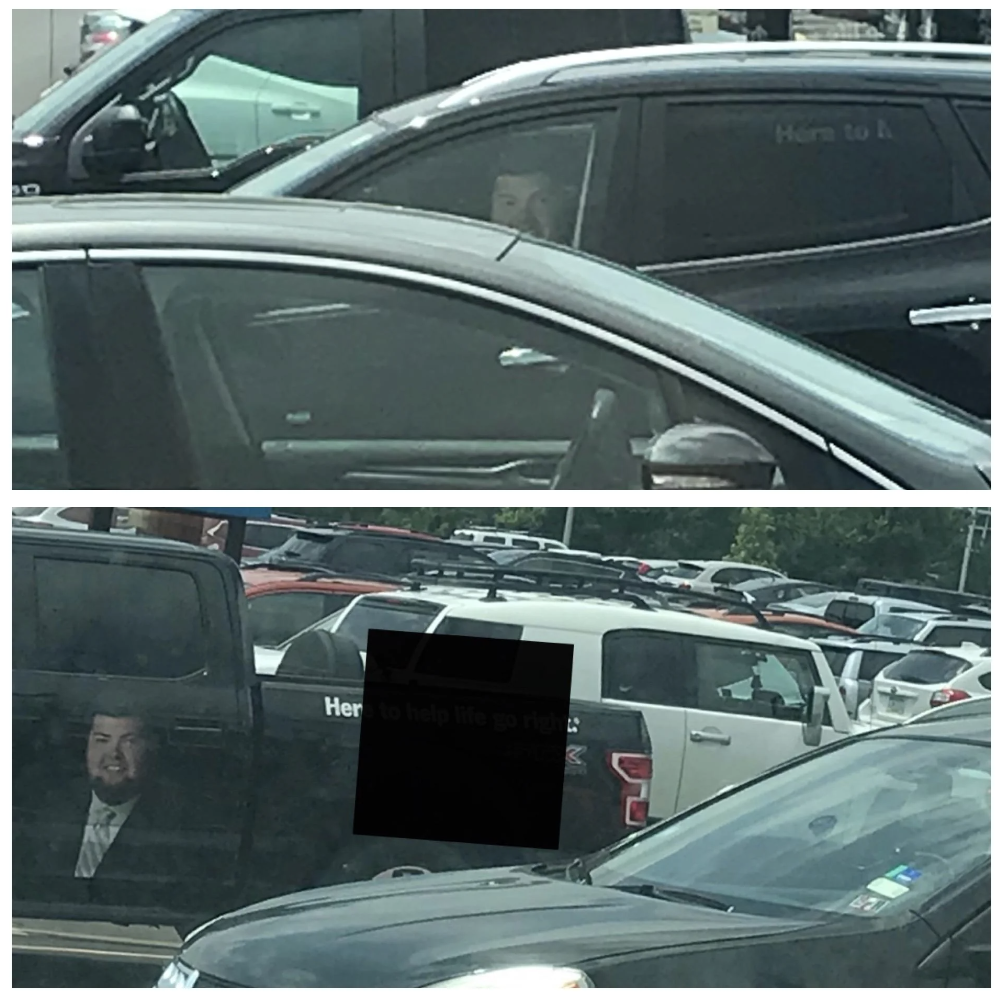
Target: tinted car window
[[446, 369], [252, 85], [985, 680], [117, 620], [729, 576], [757, 682], [845, 168], [872, 663], [647, 667], [386, 615], [265, 535], [34, 413], [548, 178], [848, 613], [836, 659], [275, 617], [892, 625], [950, 637], [927, 668], [976, 118], [467, 628]]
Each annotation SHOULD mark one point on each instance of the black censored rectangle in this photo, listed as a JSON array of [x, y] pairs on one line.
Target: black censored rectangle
[[463, 739]]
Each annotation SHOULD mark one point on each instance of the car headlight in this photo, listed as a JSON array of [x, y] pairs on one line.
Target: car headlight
[[177, 975], [521, 977]]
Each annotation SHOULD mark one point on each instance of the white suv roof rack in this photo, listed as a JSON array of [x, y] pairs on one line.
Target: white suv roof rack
[[535, 72]]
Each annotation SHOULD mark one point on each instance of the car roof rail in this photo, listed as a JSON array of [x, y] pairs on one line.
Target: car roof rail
[[547, 69], [728, 599], [556, 582]]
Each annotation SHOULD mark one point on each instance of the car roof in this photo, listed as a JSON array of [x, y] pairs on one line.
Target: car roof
[[914, 63], [598, 616], [382, 234]]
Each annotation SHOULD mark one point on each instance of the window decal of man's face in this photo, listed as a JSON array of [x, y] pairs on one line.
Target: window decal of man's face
[[118, 752], [525, 202]]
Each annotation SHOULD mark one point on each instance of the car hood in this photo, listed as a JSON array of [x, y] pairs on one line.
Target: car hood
[[417, 931]]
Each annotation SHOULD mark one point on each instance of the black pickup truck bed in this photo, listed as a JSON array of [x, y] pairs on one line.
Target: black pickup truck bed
[[132, 656]]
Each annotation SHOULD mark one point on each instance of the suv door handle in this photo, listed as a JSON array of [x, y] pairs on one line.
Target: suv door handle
[[296, 111], [710, 736], [951, 315]]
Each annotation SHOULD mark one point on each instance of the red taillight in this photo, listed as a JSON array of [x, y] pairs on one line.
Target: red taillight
[[634, 770], [643, 569], [941, 697], [104, 37]]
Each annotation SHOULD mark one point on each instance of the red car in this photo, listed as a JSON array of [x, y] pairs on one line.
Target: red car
[[283, 603]]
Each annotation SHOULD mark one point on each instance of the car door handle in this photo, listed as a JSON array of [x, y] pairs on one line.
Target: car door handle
[[951, 315], [299, 111], [715, 737]]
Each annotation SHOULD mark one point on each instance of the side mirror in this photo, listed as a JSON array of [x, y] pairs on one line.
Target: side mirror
[[815, 714], [709, 456], [112, 144]]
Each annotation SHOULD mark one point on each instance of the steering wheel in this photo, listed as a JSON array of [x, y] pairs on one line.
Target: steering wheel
[[600, 457]]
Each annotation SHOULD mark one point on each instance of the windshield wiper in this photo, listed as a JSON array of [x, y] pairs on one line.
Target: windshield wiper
[[678, 894]]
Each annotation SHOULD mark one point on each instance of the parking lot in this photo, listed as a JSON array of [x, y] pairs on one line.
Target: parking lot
[[582, 694]]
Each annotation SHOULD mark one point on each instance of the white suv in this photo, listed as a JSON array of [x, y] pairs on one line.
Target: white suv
[[924, 679], [942, 630], [723, 702], [705, 575]]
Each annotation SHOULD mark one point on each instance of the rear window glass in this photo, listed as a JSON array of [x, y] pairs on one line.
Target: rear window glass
[[467, 628], [685, 571], [985, 680], [266, 535], [892, 625], [927, 668], [848, 613], [276, 617], [118, 620]]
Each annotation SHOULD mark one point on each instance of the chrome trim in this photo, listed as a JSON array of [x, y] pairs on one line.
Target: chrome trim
[[860, 467], [471, 291], [44, 443], [19, 257], [949, 315]]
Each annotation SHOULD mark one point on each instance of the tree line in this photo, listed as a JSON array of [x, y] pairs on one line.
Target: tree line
[[837, 545]]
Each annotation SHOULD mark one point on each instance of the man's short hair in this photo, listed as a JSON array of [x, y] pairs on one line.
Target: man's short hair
[[112, 704]]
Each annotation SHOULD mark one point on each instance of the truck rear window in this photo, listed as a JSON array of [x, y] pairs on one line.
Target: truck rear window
[[117, 620], [467, 628], [926, 668]]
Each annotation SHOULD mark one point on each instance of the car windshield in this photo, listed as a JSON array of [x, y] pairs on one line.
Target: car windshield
[[92, 79], [876, 826], [892, 625], [383, 614]]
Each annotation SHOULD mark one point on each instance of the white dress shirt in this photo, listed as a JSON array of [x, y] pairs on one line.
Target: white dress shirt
[[92, 843]]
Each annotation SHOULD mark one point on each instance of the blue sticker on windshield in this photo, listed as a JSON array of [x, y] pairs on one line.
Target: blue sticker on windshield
[[903, 874]]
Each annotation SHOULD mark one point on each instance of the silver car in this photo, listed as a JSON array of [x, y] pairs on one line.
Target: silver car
[[856, 662]]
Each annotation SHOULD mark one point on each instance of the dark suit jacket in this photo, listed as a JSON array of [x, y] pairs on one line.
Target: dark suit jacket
[[148, 859]]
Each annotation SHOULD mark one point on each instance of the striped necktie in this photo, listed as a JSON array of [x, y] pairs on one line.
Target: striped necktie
[[96, 844]]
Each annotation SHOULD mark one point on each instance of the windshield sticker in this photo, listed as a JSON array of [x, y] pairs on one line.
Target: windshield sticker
[[903, 874], [868, 903], [888, 888]]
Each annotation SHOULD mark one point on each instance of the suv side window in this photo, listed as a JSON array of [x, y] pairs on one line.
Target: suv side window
[[650, 667], [976, 118], [549, 178], [844, 167], [872, 663], [253, 85], [953, 637], [732, 576], [754, 681], [35, 423], [117, 619], [361, 554]]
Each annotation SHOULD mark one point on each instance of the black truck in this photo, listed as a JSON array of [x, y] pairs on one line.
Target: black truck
[[199, 100], [133, 671]]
